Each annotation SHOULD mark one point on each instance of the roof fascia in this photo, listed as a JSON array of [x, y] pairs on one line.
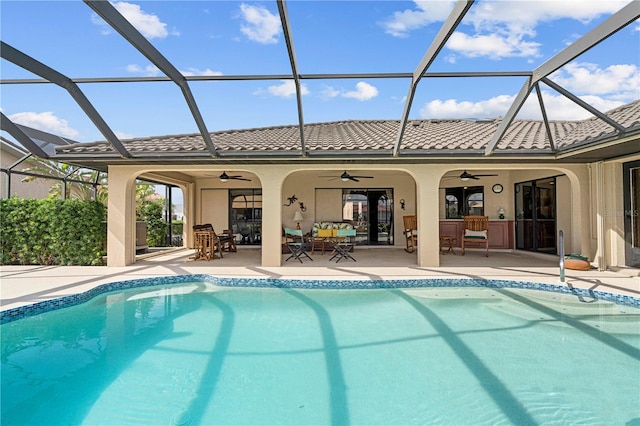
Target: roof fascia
[[286, 29], [24, 61], [600, 143], [449, 26], [118, 22]]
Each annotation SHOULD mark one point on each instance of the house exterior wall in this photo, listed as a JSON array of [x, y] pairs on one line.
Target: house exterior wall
[[38, 188], [416, 184]]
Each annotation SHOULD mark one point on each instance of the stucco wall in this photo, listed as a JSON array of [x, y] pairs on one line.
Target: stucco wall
[[38, 188]]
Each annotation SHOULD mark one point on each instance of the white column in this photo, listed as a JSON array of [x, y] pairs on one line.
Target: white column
[[427, 210], [121, 230], [271, 180]]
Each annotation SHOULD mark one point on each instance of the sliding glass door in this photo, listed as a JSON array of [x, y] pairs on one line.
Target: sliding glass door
[[631, 185], [371, 213], [245, 215], [535, 206]]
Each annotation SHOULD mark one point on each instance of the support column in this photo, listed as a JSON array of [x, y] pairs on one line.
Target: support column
[[427, 209], [121, 231], [271, 181]]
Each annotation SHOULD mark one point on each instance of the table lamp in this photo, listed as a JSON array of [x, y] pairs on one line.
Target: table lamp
[[297, 217]]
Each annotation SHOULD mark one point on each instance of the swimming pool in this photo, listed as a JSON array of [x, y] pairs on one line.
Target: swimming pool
[[214, 351]]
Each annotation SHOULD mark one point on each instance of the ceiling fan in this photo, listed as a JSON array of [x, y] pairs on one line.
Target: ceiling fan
[[346, 176], [466, 176], [224, 177]]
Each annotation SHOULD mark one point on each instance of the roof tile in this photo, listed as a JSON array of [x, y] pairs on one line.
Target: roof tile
[[448, 134]]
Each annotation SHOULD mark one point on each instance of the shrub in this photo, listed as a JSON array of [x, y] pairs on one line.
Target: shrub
[[52, 232], [151, 212]]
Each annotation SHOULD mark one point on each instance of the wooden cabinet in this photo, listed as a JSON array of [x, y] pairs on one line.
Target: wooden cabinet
[[501, 232]]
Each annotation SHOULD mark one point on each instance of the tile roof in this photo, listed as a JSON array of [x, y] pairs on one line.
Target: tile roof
[[372, 136]]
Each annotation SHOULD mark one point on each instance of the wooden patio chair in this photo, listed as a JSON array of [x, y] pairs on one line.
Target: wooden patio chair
[[206, 242], [476, 230], [410, 232]]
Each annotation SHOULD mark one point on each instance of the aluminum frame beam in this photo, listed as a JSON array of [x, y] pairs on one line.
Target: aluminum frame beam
[[118, 22], [286, 29], [11, 128], [22, 60], [584, 105], [453, 20], [545, 119], [607, 28], [259, 77]]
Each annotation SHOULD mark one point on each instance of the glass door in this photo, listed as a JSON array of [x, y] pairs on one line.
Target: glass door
[[245, 215], [631, 185], [535, 206], [370, 211]]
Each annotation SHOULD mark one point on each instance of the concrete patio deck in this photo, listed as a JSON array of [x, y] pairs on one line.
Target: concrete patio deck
[[24, 285]]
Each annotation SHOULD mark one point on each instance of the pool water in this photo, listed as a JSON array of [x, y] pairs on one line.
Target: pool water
[[201, 354]]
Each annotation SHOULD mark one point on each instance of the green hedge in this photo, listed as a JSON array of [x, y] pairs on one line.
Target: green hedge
[[52, 232]]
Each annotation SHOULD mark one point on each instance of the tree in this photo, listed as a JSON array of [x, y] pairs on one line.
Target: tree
[[74, 189]]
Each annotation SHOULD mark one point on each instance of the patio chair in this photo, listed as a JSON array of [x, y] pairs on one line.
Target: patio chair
[[344, 242], [410, 232], [295, 242], [322, 240], [206, 242], [227, 240], [476, 230]]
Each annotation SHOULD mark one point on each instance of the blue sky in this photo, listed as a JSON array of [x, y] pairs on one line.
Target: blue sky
[[245, 38]]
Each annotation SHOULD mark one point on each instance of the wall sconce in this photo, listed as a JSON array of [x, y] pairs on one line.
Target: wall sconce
[[302, 207], [402, 204]]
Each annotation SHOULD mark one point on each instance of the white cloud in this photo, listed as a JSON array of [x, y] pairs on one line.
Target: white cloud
[[148, 24], [523, 15], [364, 92], [492, 45], [500, 28], [148, 71], [451, 108], [620, 81], [45, 121], [329, 92], [286, 89], [123, 135], [426, 12], [260, 25], [557, 107], [195, 71]]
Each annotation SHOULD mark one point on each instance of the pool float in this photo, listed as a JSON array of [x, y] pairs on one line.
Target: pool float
[[577, 262]]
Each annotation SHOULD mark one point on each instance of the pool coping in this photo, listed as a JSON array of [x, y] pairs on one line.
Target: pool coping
[[287, 283]]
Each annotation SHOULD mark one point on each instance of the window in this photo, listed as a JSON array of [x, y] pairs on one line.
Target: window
[[463, 201]]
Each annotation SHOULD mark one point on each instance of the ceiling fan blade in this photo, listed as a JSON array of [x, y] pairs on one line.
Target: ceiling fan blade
[[363, 177], [239, 178], [353, 178], [485, 175]]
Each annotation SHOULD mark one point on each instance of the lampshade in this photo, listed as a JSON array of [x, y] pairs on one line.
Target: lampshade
[[297, 217], [500, 210]]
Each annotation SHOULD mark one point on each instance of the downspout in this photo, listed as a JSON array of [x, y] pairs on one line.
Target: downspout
[[600, 210]]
